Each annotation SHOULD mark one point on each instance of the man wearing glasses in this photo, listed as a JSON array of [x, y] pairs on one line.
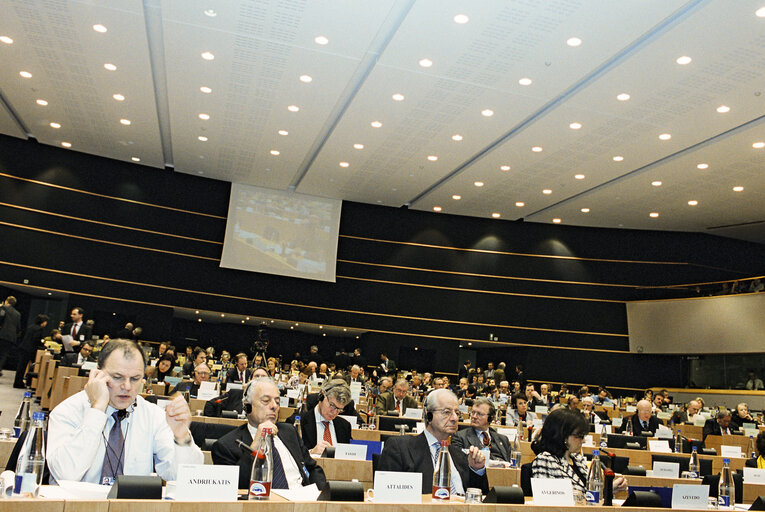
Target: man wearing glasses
[[107, 430], [417, 454], [201, 374], [321, 426], [481, 435]]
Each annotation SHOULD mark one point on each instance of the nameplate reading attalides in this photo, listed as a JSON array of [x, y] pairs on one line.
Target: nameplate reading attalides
[[205, 482], [398, 487], [552, 492]]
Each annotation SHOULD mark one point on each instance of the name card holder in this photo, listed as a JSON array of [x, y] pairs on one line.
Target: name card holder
[[552, 492], [350, 451], [733, 452], [666, 469], [204, 482], [690, 496], [754, 476], [398, 487], [413, 413]]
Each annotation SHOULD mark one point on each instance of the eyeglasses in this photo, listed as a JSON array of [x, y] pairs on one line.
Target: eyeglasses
[[335, 408], [447, 413], [479, 414]]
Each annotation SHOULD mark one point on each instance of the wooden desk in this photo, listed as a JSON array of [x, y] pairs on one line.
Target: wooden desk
[[502, 476], [652, 481], [347, 470], [6, 447], [717, 441], [58, 392], [365, 435], [692, 431], [753, 491], [285, 412]]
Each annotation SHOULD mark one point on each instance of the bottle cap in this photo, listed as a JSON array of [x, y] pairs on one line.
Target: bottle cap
[[726, 461], [596, 452], [27, 394], [266, 431], [38, 416], [445, 442], [297, 418], [695, 449]]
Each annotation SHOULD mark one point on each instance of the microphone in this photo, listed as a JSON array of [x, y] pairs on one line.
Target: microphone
[[122, 414]]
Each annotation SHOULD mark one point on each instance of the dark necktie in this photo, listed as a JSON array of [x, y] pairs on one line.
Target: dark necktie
[[114, 458], [645, 425], [486, 439], [279, 478], [74, 331]]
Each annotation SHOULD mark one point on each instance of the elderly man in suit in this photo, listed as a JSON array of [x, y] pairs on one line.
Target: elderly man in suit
[[479, 434], [643, 420], [719, 425], [397, 400], [293, 465], [321, 425], [417, 454]]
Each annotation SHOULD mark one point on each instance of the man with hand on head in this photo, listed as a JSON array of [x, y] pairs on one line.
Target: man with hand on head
[[107, 430], [417, 454], [293, 465]]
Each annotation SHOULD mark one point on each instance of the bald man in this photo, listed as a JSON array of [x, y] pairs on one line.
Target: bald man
[[643, 420]]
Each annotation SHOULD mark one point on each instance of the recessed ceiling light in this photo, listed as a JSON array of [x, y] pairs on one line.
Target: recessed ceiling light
[[110, 67], [457, 137], [398, 97], [436, 208], [199, 319], [574, 41], [321, 40], [205, 89], [702, 166], [537, 149], [135, 159], [42, 103], [478, 183], [55, 125], [248, 318], [618, 158], [496, 215], [25, 74], [575, 126], [210, 12], [202, 138], [118, 97], [504, 168], [204, 117], [425, 63], [275, 152], [623, 96], [376, 124], [283, 132], [758, 145], [556, 220], [578, 176], [692, 203], [208, 55], [125, 122], [222, 315], [306, 79], [656, 183], [723, 109], [760, 13], [432, 158], [683, 60], [99, 28], [738, 189], [344, 164], [461, 19], [66, 144], [520, 204], [547, 191], [525, 81], [487, 112], [6, 39], [456, 197], [665, 136], [293, 108], [585, 210], [358, 146], [653, 215]]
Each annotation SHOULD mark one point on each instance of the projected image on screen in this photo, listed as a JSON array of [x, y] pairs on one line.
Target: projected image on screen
[[281, 233]]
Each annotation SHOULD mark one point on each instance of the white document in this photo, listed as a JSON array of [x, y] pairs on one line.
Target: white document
[[353, 420], [588, 440], [661, 446], [754, 476], [616, 422], [664, 433], [699, 421], [509, 432], [413, 413], [92, 365], [398, 487], [207, 385], [666, 469], [351, 451], [690, 496], [205, 482], [541, 409], [552, 492], [307, 493], [292, 393], [730, 451], [206, 394], [630, 408]]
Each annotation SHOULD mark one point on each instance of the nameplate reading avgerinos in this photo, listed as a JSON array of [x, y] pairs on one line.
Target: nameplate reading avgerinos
[[552, 492], [398, 487], [204, 482], [690, 496]]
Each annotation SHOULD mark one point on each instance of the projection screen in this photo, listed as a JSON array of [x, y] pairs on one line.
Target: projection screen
[[707, 325], [282, 233]]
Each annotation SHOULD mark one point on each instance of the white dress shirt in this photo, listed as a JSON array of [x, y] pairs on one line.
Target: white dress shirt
[[291, 470], [320, 426], [77, 436]]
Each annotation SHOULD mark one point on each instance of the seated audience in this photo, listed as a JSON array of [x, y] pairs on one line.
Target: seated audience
[[480, 435], [395, 402], [239, 373], [84, 355], [520, 411], [741, 416], [718, 425]]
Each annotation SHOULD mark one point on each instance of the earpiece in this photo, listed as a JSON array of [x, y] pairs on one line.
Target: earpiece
[[428, 415], [246, 406]]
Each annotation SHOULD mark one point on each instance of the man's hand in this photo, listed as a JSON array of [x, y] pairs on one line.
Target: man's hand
[[265, 424], [620, 484], [98, 390], [319, 448], [178, 418], [476, 458]]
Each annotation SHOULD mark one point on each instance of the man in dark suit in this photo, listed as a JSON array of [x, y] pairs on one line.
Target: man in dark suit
[[642, 420], [355, 375], [416, 454], [201, 374], [464, 370], [10, 328], [77, 358], [77, 329], [481, 435], [321, 425], [31, 343], [239, 373], [294, 467], [396, 401], [387, 366], [718, 426]]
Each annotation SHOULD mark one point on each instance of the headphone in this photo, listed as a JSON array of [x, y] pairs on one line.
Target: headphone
[[427, 414], [247, 406], [331, 385]]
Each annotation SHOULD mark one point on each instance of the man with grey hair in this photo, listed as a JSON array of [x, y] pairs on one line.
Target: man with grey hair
[[719, 425], [396, 402], [643, 420], [321, 425], [355, 375], [293, 465], [481, 435], [417, 454]]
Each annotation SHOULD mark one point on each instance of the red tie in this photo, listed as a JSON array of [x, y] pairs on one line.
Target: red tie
[[486, 439], [74, 331], [398, 407], [327, 433]]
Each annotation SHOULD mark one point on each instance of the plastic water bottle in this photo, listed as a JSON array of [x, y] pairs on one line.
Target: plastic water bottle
[[693, 464], [262, 468], [21, 423], [678, 442], [628, 427], [726, 490], [442, 476], [750, 448], [296, 424], [31, 462], [594, 495], [603, 437]]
